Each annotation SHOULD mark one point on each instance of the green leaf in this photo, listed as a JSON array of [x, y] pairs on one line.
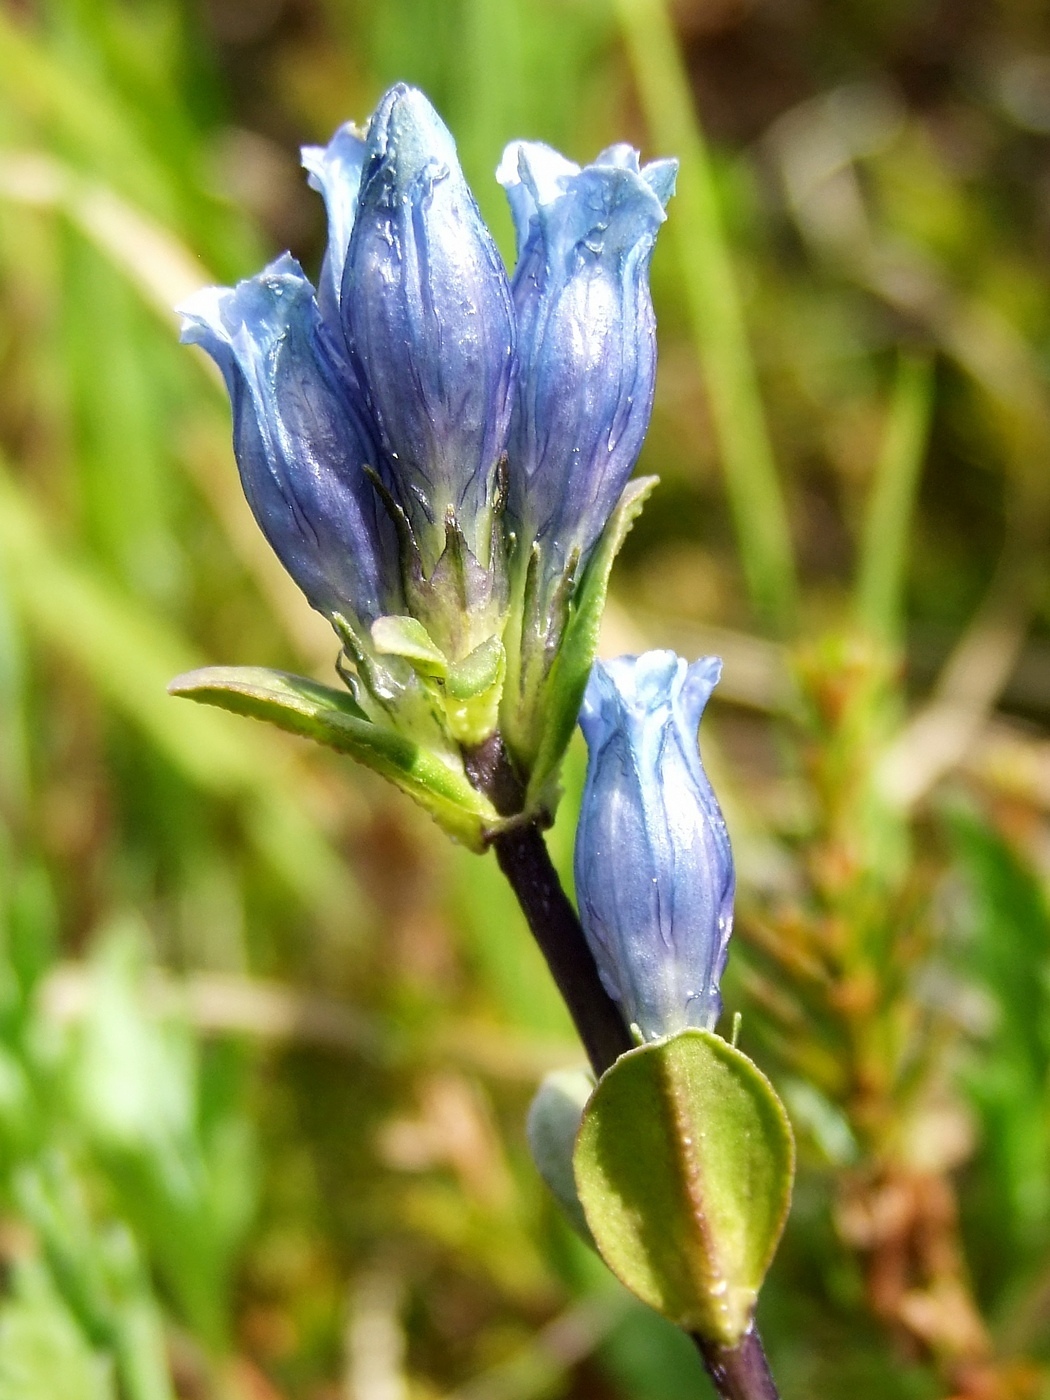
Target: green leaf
[[552, 1125], [563, 693], [407, 637], [684, 1164], [888, 529], [1004, 951], [98, 1275], [331, 717], [135, 1088]]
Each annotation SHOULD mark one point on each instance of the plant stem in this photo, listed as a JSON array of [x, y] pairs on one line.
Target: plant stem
[[738, 1373], [741, 1372], [524, 859]]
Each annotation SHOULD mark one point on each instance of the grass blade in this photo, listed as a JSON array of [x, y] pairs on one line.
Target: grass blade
[[883, 560], [716, 314]]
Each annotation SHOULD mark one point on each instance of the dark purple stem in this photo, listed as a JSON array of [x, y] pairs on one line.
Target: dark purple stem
[[740, 1372], [524, 859]]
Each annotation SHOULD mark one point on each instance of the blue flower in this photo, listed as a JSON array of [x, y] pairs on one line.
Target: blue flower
[[335, 172], [586, 337], [399, 372], [300, 440], [654, 869], [427, 314], [386, 425]]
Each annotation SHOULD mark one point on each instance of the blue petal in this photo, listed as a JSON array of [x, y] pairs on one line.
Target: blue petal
[[697, 687], [586, 338], [660, 176], [529, 166], [654, 870], [299, 441], [335, 172], [428, 317], [621, 154]]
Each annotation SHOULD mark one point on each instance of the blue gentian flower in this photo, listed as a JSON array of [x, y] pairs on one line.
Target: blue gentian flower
[[300, 440], [418, 435], [586, 337], [654, 869], [426, 309]]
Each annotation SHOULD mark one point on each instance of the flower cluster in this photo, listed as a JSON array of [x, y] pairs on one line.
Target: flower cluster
[[654, 870], [434, 449]]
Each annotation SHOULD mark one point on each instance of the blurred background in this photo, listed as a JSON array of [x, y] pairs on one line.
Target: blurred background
[[266, 1038]]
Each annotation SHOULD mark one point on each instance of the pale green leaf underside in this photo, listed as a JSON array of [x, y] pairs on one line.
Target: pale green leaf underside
[[331, 717], [553, 1122], [684, 1164]]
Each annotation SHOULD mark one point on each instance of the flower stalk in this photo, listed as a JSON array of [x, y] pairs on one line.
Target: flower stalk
[[738, 1372], [524, 859]]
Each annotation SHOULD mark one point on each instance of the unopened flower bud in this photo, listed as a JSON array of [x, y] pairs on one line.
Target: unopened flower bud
[[654, 869], [427, 313]]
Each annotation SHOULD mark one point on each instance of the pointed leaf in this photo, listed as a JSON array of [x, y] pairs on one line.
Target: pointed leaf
[[579, 645], [684, 1164], [332, 717], [43, 1351]]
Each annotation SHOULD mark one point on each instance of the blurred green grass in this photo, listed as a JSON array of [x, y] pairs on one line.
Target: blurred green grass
[[266, 1041]]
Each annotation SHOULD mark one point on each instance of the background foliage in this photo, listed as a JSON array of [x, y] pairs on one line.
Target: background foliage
[[266, 1039]]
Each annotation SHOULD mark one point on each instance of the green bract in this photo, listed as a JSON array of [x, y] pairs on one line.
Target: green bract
[[545, 685], [552, 1126], [684, 1163]]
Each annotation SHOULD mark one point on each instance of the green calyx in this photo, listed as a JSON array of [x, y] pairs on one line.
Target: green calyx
[[465, 693], [423, 694], [683, 1164]]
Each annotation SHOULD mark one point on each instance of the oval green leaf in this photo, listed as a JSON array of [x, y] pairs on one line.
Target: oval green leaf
[[684, 1164]]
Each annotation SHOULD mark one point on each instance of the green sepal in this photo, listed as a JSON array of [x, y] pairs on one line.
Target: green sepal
[[563, 690], [551, 1128], [472, 693], [407, 637], [332, 717], [684, 1164], [480, 671]]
